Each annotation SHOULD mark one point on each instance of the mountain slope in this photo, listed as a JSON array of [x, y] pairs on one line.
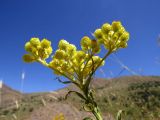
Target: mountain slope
[[8, 96], [138, 97]]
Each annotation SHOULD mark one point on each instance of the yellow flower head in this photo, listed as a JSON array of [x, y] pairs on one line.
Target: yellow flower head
[[112, 36], [106, 28], [28, 47], [28, 58], [80, 55], [63, 44], [97, 60], [60, 54], [35, 42], [85, 43], [71, 49], [116, 25], [124, 37], [98, 33], [64, 66], [31, 49], [45, 43], [54, 63], [39, 49]]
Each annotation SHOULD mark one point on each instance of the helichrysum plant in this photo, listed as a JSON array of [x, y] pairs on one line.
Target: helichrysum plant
[[79, 66]]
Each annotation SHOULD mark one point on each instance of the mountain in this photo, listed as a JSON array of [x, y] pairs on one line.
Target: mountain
[[137, 96], [8, 96]]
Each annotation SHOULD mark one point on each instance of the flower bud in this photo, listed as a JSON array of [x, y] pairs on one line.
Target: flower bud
[[116, 25], [45, 43], [48, 50], [80, 55], [60, 54], [123, 45], [100, 41], [35, 42], [85, 43], [106, 28], [71, 49], [63, 44], [110, 33], [98, 33], [115, 37], [28, 58], [28, 47], [64, 66], [120, 31], [124, 36], [54, 63]]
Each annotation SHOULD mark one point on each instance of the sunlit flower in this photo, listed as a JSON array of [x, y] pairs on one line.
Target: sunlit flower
[[35, 42], [45, 43], [85, 43], [63, 44], [116, 25], [112, 36], [71, 49], [106, 28], [60, 54]]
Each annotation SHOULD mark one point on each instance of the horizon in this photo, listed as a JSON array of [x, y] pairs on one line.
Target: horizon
[[2, 83], [71, 20]]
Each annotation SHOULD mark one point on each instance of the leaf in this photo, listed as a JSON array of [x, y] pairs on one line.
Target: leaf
[[91, 93], [77, 93], [64, 82]]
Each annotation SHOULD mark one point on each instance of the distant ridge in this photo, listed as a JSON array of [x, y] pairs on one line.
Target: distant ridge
[[8, 96], [130, 93]]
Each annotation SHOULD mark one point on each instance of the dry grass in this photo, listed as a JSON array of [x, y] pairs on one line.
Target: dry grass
[[124, 93]]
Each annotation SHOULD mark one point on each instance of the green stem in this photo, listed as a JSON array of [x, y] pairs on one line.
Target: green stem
[[97, 114], [96, 111]]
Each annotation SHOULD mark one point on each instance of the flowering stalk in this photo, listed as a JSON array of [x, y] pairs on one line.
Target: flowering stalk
[[79, 66]]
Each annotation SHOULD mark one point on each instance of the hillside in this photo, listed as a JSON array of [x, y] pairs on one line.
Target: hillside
[[8, 96], [138, 97]]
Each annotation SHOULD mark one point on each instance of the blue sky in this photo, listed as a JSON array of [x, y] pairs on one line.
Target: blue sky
[[71, 20]]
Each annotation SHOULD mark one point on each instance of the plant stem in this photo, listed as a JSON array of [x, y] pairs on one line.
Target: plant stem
[[96, 111], [97, 114]]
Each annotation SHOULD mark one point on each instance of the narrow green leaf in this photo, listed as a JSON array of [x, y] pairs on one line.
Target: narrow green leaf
[[77, 93], [64, 82]]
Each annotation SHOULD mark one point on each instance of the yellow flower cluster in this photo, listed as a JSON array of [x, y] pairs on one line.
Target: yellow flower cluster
[[37, 50], [112, 36], [78, 64], [62, 57], [68, 60]]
